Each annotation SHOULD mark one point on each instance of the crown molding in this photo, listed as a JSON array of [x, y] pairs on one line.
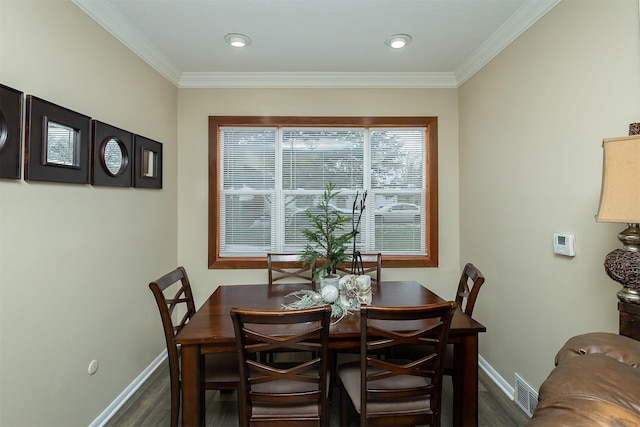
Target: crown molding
[[112, 21], [319, 80], [510, 30]]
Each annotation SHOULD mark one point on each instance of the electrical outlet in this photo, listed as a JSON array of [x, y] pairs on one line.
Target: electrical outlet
[[93, 367]]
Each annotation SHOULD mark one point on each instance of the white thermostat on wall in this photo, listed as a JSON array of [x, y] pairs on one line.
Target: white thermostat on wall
[[564, 244]]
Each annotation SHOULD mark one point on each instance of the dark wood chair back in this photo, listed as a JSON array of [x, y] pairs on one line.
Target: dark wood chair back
[[220, 371], [289, 268], [471, 280], [386, 384], [182, 300], [276, 392], [371, 265]]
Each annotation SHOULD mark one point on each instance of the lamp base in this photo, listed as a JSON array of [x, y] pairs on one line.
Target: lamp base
[[629, 295], [623, 265], [630, 238]]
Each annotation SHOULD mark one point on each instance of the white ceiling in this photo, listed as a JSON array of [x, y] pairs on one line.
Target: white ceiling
[[316, 43]]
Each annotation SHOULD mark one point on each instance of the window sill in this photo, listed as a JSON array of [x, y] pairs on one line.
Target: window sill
[[388, 261]]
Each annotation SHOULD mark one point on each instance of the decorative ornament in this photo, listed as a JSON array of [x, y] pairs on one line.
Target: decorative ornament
[[356, 258], [307, 298], [355, 290], [329, 293]]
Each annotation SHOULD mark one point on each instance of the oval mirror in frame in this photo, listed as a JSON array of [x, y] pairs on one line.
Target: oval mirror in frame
[[112, 156]]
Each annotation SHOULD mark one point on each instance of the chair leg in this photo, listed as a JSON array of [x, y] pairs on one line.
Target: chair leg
[[203, 404], [333, 372], [175, 405], [344, 407]]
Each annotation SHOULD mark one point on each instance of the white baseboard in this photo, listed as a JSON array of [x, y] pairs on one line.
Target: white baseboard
[[106, 415], [495, 376], [128, 392]]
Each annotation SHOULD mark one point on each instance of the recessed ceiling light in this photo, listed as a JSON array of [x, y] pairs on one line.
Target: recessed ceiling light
[[398, 41], [237, 40]]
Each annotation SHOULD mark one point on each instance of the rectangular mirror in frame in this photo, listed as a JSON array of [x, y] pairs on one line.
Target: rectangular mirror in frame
[[148, 158], [57, 143]]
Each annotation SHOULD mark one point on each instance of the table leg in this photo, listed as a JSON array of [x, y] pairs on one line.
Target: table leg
[[465, 381], [191, 413]]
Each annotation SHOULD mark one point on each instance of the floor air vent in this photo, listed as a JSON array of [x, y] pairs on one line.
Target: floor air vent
[[526, 397]]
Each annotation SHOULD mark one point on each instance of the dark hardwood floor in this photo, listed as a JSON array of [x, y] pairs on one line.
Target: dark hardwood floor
[[149, 406]]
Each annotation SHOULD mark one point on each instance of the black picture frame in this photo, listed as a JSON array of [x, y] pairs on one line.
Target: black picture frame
[[148, 159], [42, 163], [114, 170], [10, 132]]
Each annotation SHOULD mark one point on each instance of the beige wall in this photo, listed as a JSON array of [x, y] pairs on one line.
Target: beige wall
[[519, 158], [195, 105], [531, 126], [75, 260]]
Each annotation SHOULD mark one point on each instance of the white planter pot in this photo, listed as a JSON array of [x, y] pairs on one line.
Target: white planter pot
[[333, 279]]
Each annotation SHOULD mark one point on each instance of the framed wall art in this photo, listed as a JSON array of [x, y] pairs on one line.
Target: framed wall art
[[112, 155], [10, 132], [57, 143], [148, 159]]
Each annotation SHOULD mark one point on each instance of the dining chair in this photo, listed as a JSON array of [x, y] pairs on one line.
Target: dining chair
[[371, 265], [275, 393], [471, 280], [387, 391], [289, 268], [469, 285], [220, 371]]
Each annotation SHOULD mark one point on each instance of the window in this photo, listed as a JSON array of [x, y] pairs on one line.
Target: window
[[265, 172]]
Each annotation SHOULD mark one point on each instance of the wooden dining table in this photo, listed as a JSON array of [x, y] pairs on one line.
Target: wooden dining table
[[210, 330]]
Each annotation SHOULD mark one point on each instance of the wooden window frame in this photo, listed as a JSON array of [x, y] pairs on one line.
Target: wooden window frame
[[215, 261]]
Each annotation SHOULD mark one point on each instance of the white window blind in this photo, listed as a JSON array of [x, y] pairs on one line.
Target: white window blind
[[248, 190], [397, 191], [270, 177]]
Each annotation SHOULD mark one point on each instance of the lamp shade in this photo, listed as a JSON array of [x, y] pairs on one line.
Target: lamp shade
[[620, 192]]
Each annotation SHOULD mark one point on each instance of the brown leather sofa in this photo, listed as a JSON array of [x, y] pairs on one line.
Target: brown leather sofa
[[595, 383]]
